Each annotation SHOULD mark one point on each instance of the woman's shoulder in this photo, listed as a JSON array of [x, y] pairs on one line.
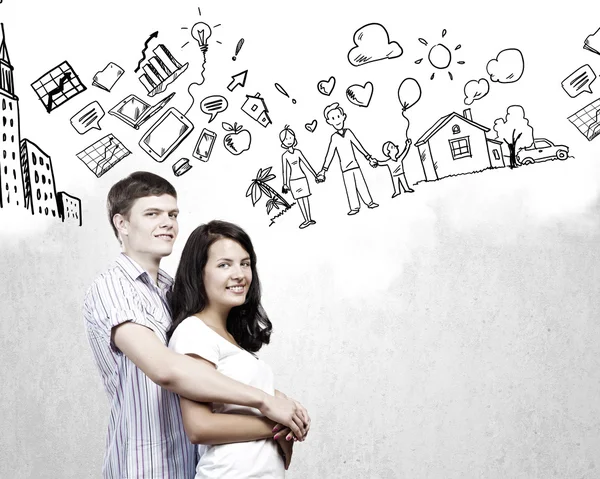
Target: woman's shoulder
[[188, 326]]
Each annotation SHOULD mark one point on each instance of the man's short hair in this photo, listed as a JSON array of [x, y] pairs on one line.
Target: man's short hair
[[137, 185], [330, 108]]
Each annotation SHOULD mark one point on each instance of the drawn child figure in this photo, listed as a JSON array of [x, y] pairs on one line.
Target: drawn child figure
[[392, 153], [294, 178]]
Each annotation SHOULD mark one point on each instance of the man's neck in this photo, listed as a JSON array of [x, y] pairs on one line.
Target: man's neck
[[150, 264]]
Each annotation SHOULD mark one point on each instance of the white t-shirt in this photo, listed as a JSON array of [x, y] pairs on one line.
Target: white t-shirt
[[253, 459]]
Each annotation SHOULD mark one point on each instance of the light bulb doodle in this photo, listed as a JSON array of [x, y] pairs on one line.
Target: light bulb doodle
[[201, 32]]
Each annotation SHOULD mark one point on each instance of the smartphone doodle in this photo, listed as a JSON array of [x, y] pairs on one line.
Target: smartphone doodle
[[204, 145]]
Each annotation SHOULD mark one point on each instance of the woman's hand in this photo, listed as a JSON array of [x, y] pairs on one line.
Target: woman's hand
[[286, 432]]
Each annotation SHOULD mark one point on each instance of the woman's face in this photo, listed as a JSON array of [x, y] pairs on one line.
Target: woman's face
[[227, 274], [289, 139]]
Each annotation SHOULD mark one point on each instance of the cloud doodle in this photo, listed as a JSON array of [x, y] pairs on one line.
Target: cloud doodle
[[507, 67], [371, 44], [476, 89]]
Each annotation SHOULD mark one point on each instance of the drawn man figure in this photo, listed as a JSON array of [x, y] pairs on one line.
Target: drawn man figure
[[392, 153], [127, 316], [343, 142]]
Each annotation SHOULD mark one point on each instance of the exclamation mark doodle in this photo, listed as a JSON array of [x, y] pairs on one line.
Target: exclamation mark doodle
[[280, 89], [238, 48]]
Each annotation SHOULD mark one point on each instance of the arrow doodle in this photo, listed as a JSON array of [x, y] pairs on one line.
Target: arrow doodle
[[59, 89], [153, 35], [238, 80]]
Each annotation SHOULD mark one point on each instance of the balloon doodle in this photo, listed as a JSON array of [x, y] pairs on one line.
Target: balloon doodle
[[409, 93]]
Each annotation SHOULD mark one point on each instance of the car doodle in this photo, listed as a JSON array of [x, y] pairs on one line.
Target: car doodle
[[542, 150]]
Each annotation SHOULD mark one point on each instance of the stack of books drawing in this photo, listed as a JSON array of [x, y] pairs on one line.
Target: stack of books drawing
[[587, 120], [161, 70]]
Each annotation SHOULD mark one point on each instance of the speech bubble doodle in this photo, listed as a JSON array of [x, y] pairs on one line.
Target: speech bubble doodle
[[213, 105], [579, 81], [88, 118]]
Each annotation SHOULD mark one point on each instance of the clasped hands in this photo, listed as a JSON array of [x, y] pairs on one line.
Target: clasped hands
[[284, 436]]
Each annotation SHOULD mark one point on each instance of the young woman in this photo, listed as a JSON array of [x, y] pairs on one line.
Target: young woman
[[294, 179], [218, 319]]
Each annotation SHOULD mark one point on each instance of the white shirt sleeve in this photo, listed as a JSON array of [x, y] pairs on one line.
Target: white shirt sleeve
[[193, 337]]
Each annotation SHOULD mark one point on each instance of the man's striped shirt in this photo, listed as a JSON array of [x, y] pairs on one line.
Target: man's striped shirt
[[146, 438]]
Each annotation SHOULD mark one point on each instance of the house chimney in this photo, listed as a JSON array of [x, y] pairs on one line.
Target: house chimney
[[467, 114]]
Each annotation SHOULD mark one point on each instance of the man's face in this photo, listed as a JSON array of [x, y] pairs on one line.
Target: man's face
[[151, 227], [392, 151], [336, 118]]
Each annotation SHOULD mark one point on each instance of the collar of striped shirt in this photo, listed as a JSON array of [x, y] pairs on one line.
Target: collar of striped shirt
[[134, 270]]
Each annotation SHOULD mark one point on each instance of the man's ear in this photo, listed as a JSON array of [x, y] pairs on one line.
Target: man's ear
[[121, 224]]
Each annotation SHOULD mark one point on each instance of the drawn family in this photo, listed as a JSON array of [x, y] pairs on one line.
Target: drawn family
[[188, 396], [343, 144]]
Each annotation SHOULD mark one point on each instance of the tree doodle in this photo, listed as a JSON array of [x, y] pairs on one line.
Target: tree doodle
[[259, 185], [515, 131]]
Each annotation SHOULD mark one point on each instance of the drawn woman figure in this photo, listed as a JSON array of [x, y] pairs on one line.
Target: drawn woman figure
[[294, 178], [218, 319]]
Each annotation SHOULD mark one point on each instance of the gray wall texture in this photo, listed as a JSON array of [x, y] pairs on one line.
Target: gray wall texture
[[451, 333]]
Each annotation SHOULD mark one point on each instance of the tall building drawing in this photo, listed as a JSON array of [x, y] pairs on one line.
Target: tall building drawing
[[11, 179], [26, 173], [69, 208], [38, 177]]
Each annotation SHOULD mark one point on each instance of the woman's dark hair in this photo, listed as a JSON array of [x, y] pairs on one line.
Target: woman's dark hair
[[248, 323]]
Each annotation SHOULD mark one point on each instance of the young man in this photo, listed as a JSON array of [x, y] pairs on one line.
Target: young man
[[392, 153], [127, 316], [343, 143]]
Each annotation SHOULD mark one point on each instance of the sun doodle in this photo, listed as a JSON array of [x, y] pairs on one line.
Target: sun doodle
[[439, 56]]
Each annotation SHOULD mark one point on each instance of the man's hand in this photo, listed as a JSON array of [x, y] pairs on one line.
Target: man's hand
[[288, 413], [285, 449], [285, 189]]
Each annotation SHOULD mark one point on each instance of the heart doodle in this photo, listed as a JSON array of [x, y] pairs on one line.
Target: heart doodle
[[312, 126], [326, 87], [360, 95]]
